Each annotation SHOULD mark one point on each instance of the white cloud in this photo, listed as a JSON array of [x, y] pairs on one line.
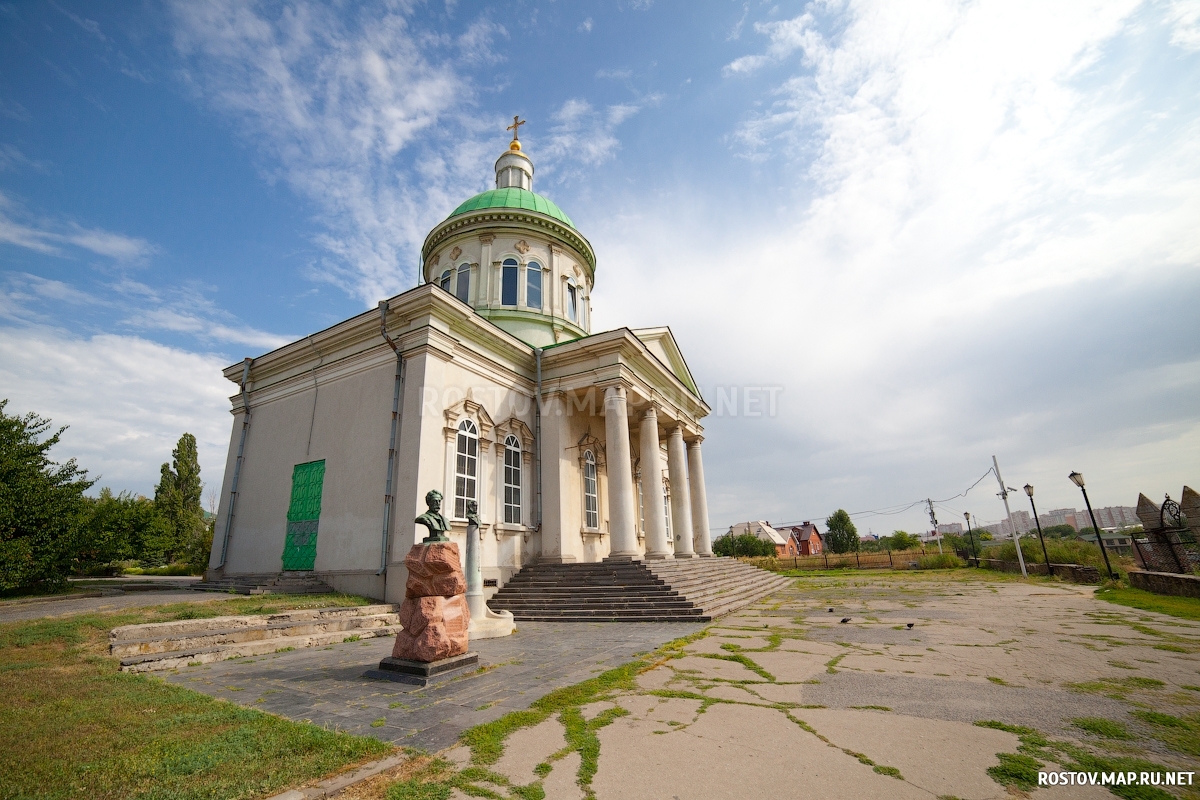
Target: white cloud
[[586, 135], [1184, 16], [48, 238], [960, 186], [785, 37], [205, 328], [127, 401], [336, 102], [586, 26]]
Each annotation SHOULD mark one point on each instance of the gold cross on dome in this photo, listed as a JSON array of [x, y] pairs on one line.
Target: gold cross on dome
[[516, 126]]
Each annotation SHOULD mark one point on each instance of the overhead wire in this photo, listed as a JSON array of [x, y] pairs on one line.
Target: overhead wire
[[900, 508]]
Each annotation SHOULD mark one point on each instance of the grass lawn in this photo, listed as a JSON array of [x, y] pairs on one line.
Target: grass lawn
[[72, 725], [1182, 607]]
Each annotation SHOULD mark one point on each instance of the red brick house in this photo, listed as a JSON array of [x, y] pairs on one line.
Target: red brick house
[[785, 546], [805, 540]]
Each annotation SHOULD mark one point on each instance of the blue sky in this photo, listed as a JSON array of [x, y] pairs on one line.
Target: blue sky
[[934, 230]]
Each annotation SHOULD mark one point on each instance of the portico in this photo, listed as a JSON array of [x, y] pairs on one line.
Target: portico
[[487, 383]]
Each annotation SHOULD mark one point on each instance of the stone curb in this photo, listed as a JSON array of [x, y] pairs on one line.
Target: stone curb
[[24, 601], [331, 787]]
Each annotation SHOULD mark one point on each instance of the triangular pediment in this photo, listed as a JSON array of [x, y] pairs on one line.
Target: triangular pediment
[[661, 343]]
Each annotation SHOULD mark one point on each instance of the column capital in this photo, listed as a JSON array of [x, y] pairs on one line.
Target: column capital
[[694, 441]]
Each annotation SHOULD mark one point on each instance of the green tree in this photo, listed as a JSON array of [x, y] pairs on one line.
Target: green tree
[[744, 545], [1057, 532], [177, 498], [119, 527], [903, 540], [40, 502], [842, 536]]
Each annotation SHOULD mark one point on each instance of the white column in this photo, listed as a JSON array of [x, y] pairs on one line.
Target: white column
[[699, 499], [681, 496], [657, 545], [621, 508]]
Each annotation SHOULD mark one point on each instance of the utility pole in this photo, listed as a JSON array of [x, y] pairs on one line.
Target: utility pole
[[1011, 525], [933, 519]]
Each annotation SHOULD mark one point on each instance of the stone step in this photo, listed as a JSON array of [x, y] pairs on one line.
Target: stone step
[[613, 605], [265, 583], [130, 647], [167, 645], [184, 626], [177, 659], [543, 618], [687, 589]]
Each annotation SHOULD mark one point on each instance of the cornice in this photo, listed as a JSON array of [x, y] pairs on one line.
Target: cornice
[[471, 221]]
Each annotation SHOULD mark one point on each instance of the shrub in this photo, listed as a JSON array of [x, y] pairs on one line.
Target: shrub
[[1061, 551], [743, 545], [941, 561]]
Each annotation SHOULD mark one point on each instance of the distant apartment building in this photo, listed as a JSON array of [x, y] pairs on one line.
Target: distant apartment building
[[1110, 518], [952, 527]]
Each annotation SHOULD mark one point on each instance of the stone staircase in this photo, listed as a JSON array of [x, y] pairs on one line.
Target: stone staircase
[[717, 585], [692, 590], [265, 583], [170, 645]]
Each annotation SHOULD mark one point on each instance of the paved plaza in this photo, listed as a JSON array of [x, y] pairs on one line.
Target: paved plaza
[[867, 685], [326, 686]]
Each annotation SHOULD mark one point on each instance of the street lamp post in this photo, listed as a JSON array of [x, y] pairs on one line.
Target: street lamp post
[[970, 533], [1016, 537], [1077, 479], [1029, 491]]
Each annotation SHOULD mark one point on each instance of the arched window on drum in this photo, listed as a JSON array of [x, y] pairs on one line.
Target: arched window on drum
[[463, 290], [533, 285], [508, 282], [466, 467]]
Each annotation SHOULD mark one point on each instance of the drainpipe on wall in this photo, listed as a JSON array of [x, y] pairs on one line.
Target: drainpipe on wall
[[396, 392], [537, 437], [237, 465]]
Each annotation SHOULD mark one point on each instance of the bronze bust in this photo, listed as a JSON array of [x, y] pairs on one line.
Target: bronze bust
[[433, 520]]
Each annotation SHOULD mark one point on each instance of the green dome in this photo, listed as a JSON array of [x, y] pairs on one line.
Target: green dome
[[513, 197]]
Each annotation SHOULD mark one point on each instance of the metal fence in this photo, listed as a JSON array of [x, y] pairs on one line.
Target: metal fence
[[1168, 551], [887, 560]]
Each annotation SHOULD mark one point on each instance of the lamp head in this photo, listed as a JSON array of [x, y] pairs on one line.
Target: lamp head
[[967, 515], [1076, 479], [1029, 489]]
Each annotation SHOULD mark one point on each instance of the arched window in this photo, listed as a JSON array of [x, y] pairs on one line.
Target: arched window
[[466, 466], [533, 285], [591, 502], [462, 291], [508, 282], [512, 481], [445, 282], [572, 301]]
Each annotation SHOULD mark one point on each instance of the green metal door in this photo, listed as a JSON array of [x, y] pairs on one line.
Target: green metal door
[[300, 547]]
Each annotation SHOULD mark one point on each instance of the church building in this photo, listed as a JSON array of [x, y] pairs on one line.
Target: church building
[[486, 383]]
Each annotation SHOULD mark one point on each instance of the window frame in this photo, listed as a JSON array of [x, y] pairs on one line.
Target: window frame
[[446, 279], [462, 283], [466, 466], [531, 269], [505, 266], [513, 505], [591, 499]]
